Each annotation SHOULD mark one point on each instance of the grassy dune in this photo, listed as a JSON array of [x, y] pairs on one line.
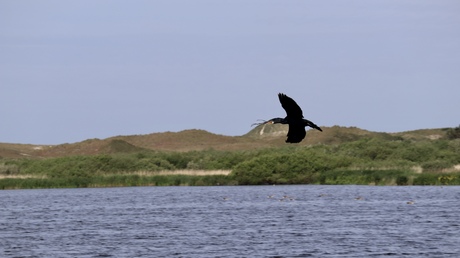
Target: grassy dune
[[339, 156]]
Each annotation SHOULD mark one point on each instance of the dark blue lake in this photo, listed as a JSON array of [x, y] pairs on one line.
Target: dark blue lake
[[231, 221]]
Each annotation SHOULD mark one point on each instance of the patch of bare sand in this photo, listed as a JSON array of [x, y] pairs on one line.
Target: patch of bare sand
[[188, 172], [22, 176]]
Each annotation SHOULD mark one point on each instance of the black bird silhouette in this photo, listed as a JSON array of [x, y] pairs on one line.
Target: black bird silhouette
[[294, 118]]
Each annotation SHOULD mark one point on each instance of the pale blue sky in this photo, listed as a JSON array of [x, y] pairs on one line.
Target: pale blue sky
[[73, 70]]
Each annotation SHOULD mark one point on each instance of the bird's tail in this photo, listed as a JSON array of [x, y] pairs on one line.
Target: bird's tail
[[312, 125]]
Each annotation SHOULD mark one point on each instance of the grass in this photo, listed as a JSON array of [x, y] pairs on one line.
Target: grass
[[339, 177], [115, 180]]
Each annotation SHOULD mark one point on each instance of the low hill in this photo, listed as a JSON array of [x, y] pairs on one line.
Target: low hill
[[340, 134], [261, 136]]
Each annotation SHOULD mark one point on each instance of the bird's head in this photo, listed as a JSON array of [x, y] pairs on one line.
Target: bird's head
[[276, 120]]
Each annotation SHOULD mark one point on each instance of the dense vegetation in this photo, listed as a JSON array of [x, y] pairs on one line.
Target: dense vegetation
[[453, 133], [365, 161]]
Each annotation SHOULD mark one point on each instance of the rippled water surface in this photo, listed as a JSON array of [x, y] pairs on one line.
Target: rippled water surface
[[240, 221]]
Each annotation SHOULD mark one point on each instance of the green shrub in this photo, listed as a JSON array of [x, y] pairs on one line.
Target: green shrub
[[435, 165], [402, 180], [453, 133], [426, 179], [449, 179], [298, 167]]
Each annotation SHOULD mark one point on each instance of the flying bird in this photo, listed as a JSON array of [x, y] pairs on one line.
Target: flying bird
[[294, 118]]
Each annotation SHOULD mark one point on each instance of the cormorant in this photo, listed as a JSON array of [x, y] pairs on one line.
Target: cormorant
[[294, 118]]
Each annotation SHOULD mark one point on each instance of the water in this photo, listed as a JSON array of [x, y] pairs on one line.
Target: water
[[256, 221]]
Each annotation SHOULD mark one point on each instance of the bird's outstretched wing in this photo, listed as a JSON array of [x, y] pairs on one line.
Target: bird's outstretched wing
[[296, 133], [293, 111]]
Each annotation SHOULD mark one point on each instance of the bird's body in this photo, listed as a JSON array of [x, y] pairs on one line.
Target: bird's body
[[294, 118]]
